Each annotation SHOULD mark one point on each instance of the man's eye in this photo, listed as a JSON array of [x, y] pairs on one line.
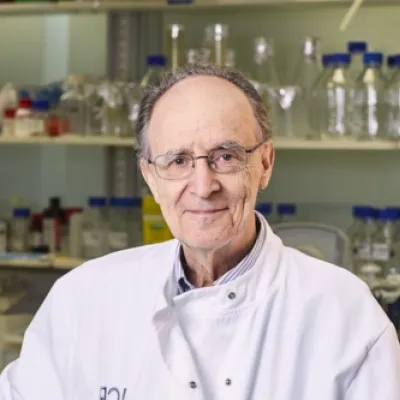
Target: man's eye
[[227, 157]]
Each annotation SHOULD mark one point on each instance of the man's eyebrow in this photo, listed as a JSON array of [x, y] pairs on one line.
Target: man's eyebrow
[[227, 145], [175, 152]]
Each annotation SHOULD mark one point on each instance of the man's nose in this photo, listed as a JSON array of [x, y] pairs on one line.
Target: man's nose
[[204, 181]]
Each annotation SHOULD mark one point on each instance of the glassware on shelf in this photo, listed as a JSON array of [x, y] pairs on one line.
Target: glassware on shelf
[[329, 107], [368, 102], [156, 64], [264, 62], [288, 111], [73, 107], [175, 46], [216, 43], [392, 100], [308, 68], [356, 51]]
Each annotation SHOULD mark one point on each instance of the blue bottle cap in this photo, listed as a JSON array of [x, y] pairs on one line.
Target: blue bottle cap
[[24, 94], [341, 58], [40, 105], [21, 212], [122, 202], [395, 59], [326, 59], [264, 208], [388, 214], [286, 209], [360, 211], [357, 47], [373, 58], [97, 202], [156, 60]]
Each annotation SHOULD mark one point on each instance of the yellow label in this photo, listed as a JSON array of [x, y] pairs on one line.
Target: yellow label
[[155, 229]]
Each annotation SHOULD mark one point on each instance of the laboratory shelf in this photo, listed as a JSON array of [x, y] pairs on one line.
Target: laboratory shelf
[[66, 263], [71, 140], [39, 262], [85, 6], [13, 339], [281, 143]]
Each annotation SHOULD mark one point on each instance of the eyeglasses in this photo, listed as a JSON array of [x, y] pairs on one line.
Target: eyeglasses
[[222, 161]]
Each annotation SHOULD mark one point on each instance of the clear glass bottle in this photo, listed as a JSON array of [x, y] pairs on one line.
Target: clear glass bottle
[[392, 100], [356, 50], [119, 224], [368, 100], [73, 107], [390, 67], [363, 244], [175, 46], [286, 212], [334, 94], [265, 209], [20, 225], [308, 68], [156, 65], [384, 238], [137, 222], [216, 43], [94, 228], [23, 118], [264, 62]]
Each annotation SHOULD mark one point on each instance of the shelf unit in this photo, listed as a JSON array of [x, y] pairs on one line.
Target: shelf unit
[[159, 5], [50, 261], [280, 143]]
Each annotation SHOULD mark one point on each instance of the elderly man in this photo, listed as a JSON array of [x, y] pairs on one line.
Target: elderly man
[[225, 311]]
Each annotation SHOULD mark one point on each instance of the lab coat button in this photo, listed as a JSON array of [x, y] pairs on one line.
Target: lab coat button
[[193, 385], [228, 382], [232, 295]]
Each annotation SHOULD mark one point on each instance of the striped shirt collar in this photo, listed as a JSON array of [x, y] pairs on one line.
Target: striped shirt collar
[[183, 285]]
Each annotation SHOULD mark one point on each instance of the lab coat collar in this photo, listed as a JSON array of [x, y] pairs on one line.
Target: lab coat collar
[[247, 289]]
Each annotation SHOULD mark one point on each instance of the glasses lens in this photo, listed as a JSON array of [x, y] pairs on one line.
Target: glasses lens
[[227, 161], [173, 166]]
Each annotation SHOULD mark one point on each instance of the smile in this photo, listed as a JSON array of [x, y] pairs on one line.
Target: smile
[[206, 212]]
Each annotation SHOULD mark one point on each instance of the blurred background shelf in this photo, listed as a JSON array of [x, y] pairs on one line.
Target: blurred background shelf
[[72, 140], [21, 8], [32, 261]]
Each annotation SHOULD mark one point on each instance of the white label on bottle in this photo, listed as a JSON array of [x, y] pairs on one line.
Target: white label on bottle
[[118, 240], [380, 252], [23, 127], [8, 127], [91, 239], [36, 239], [49, 233], [363, 251]]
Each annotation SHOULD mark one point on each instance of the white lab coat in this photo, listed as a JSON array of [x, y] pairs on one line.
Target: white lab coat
[[292, 328]]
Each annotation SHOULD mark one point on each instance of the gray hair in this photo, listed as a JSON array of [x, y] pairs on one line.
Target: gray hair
[[155, 92]]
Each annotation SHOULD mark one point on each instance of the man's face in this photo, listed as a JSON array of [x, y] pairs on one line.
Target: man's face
[[207, 210]]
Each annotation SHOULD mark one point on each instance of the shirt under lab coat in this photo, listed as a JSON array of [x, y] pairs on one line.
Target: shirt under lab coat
[[291, 328]]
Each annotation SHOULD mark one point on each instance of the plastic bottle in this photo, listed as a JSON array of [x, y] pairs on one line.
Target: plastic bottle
[[156, 64], [384, 239], [286, 212], [390, 67], [333, 94], [368, 114], [54, 225], [136, 222], [119, 224], [40, 112], [363, 242], [356, 51], [23, 118], [94, 228], [20, 230], [9, 122], [265, 209]]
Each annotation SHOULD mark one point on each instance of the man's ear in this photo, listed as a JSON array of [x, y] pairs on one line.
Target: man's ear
[[268, 158], [148, 175]]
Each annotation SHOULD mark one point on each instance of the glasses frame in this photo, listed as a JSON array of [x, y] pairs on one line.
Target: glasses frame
[[248, 152]]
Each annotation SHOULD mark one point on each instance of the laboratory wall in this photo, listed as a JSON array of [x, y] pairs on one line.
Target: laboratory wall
[[326, 183]]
